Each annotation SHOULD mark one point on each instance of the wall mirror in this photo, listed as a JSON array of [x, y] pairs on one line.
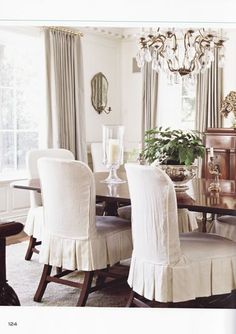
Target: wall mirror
[[99, 89]]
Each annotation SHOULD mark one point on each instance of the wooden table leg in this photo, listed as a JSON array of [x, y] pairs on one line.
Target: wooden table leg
[[8, 296], [111, 208], [204, 221]]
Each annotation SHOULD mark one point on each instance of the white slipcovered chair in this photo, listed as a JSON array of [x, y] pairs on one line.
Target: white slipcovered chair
[[166, 266], [98, 166], [73, 237], [225, 226], [33, 225], [96, 153]]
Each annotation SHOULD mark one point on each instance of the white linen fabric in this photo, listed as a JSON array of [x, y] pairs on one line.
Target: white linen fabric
[[65, 92], [96, 153], [186, 219], [167, 267], [73, 237], [33, 225], [98, 166], [225, 226]]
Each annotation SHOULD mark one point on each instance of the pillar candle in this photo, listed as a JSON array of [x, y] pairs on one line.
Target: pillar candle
[[211, 152], [113, 154]]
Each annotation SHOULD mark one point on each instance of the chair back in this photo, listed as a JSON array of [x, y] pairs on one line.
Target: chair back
[[68, 192], [32, 158], [154, 215], [97, 157]]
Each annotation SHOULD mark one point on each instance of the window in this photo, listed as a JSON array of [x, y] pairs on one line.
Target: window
[[176, 104], [188, 106], [21, 99]]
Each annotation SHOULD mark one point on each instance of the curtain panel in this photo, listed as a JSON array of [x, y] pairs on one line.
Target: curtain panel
[[65, 92], [209, 97], [149, 100]]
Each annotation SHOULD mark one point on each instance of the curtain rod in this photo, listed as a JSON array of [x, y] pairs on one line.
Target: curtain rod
[[77, 33]]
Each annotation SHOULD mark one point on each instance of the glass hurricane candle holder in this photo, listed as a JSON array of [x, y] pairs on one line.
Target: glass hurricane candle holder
[[113, 151]]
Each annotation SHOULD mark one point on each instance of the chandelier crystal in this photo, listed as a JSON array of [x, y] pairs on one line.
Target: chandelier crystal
[[180, 56]]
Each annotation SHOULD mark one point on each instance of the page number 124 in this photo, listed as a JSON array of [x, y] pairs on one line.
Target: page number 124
[[12, 323]]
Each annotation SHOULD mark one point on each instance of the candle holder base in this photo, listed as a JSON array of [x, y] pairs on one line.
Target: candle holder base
[[214, 169], [113, 178], [214, 187]]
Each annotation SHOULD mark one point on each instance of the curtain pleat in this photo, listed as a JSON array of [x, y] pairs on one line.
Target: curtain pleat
[[149, 101], [66, 114], [209, 97]]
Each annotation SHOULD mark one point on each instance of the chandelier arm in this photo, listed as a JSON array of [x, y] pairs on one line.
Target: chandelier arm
[[171, 68], [192, 64], [201, 34], [162, 39], [155, 41], [186, 39], [175, 42], [202, 47], [197, 45]]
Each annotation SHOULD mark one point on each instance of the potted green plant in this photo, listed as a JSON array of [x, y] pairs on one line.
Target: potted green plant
[[174, 150]]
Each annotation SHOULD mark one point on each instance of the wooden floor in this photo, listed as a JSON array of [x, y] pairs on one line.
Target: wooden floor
[[15, 239]]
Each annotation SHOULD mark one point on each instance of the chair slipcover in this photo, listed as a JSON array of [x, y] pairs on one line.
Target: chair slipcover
[[96, 153], [73, 237], [33, 224], [186, 219], [225, 226], [166, 266]]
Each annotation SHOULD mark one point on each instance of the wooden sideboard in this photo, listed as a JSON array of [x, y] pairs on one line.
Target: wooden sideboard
[[224, 143]]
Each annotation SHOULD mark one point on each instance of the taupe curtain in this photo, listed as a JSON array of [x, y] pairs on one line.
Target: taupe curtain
[[209, 97], [149, 101], [65, 92]]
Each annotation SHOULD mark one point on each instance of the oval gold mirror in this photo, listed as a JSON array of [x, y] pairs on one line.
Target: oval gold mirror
[[99, 88]]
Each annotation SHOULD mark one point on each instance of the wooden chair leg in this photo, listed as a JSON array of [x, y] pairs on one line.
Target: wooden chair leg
[[43, 283], [130, 300], [136, 300], [29, 252], [58, 270], [88, 278]]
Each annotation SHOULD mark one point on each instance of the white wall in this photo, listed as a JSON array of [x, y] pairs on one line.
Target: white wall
[[113, 57], [101, 54], [131, 94]]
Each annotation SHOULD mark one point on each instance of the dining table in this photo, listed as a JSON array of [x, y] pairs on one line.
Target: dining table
[[197, 197]]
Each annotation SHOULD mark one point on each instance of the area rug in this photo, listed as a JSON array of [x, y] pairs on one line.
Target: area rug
[[23, 276]]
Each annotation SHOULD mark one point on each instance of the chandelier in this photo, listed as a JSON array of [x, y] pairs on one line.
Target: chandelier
[[180, 56]]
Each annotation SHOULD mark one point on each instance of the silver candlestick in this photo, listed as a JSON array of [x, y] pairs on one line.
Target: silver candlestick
[[214, 169]]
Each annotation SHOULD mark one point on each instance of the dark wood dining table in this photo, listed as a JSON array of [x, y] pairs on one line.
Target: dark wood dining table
[[197, 198]]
